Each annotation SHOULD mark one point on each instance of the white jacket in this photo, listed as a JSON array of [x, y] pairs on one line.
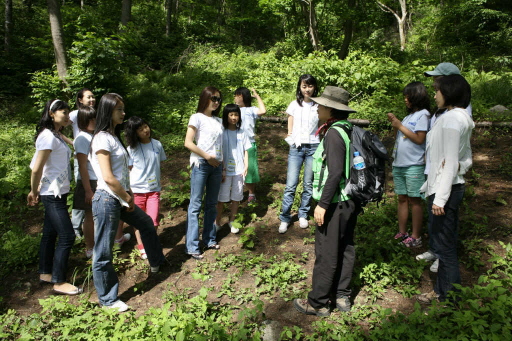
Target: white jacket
[[448, 144]]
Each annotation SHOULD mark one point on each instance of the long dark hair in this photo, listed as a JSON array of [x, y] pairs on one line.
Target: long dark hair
[[46, 121], [84, 116], [246, 95], [225, 114], [104, 115], [204, 100], [417, 95], [130, 130], [79, 96], [455, 89], [309, 80]]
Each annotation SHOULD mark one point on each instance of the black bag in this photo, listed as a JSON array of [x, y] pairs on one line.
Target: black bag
[[368, 184]]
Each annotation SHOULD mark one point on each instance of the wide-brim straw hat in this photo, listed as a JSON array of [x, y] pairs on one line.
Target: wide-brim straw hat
[[334, 97]]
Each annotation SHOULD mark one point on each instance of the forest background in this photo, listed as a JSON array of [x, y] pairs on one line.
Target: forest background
[[159, 55]]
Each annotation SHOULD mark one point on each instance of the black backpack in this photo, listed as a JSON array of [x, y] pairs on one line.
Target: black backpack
[[368, 184]]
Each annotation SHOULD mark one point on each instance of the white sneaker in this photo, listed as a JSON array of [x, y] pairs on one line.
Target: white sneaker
[[126, 237], [88, 253], [303, 223], [233, 229], [435, 266], [119, 305], [426, 256], [283, 227]]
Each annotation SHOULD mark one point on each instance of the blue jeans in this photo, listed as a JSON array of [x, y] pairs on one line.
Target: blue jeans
[[297, 157], [107, 211], [444, 234], [204, 177], [53, 255]]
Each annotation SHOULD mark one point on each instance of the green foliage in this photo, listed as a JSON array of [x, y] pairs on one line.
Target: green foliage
[[178, 194], [19, 250], [16, 151], [193, 319]]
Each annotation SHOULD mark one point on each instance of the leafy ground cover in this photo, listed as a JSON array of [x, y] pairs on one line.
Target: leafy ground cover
[[255, 274]]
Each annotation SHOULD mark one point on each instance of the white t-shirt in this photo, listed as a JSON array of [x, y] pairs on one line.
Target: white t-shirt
[[145, 174], [208, 136], [305, 122], [73, 116], [469, 111], [81, 143], [234, 144], [118, 162], [407, 153], [249, 118], [56, 170]]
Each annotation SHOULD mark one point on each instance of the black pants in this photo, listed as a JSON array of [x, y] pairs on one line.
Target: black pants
[[335, 254]]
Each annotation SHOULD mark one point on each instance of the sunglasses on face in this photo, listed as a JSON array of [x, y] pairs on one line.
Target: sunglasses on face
[[216, 99]]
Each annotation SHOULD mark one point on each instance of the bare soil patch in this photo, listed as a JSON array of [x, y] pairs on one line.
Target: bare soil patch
[[491, 189]]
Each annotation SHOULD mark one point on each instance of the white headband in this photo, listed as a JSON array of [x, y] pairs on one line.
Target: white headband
[[55, 101]]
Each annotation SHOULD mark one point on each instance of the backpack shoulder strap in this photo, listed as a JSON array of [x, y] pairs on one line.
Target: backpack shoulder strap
[[342, 130]]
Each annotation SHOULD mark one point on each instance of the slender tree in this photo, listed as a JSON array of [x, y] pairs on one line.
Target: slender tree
[[58, 38], [401, 18], [348, 30], [308, 8], [8, 25], [126, 12]]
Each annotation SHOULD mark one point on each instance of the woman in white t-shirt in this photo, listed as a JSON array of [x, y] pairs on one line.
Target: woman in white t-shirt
[[49, 183], [302, 126], [84, 98], [204, 140], [113, 200]]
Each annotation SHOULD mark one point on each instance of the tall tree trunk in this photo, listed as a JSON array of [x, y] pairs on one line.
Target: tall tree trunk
[[308, 8], [8, 26], [400, 19], [168, 17], [348, 31], [58, 38], [126, 12]]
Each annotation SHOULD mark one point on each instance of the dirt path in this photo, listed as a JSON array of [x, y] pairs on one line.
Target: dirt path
[[490, 184]]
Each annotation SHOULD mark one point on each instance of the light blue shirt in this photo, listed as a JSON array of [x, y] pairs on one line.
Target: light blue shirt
[[234, 145], [407, 153], [249, 117]]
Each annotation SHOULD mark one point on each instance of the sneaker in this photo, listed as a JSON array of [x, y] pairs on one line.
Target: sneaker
[[428, 297], [119, 305], [303, 306], [142, 251], [88, 253], [303, 223], [412, 242], [343, 303], [233, 229], [251, 199], [283, 227], [434, 266], [126, 237], [426, 256], [401, 235]]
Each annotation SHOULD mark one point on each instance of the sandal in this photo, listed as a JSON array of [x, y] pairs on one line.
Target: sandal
[[214, 247]]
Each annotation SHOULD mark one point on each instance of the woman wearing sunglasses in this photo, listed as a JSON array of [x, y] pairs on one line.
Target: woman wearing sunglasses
[[204, 140]]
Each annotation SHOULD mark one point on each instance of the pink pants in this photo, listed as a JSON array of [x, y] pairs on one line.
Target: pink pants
[[149, 203]]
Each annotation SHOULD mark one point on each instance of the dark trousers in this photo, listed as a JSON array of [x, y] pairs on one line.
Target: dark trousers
[[444, 232], [335, 254], [53, 254]]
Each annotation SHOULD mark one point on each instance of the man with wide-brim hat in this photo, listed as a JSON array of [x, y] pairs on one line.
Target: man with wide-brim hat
[[335, 213]]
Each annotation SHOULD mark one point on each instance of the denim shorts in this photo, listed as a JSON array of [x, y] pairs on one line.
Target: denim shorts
[[408, 180]]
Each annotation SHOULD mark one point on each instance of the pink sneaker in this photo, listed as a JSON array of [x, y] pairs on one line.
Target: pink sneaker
[[251, 198], [412, 242], [401, 235]]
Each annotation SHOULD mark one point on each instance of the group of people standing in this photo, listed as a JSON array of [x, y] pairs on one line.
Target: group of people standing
[[118, 184]]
